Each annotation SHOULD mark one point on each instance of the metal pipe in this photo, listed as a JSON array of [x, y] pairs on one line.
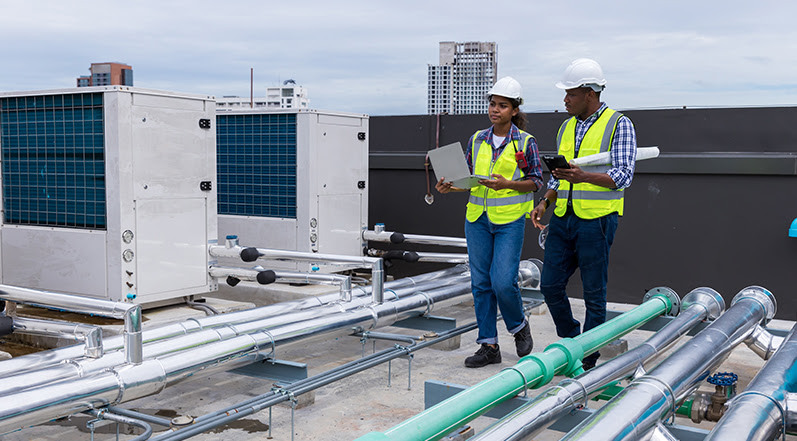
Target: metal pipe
[[83, 305], [376, 264], [424, 256], [250, 275], [397, 238], [129, 382], [553, 403], [59, 355], [76, 368], [653, 397], [152, 419], [106, 415], [133, 339], [759, 413], [532, 371], [342, 281], [64, 302], [90, 335]]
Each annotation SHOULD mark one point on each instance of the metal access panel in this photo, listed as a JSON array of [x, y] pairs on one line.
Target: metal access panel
[[294, 180], [108, 192]]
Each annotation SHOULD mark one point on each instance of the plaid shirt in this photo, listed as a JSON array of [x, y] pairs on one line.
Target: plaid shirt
[[623, 151], [533, 170]]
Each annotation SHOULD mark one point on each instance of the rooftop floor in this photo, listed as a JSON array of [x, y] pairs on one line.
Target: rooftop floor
[[374, 400]]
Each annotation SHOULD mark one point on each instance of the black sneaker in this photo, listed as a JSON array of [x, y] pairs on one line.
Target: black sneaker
[[523, 341], [484, 356], [588, 363]]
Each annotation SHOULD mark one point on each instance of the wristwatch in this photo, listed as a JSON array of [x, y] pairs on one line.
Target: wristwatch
[[547, 202]]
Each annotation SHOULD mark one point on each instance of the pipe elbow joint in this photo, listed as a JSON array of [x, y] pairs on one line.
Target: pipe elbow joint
[[763, 343]]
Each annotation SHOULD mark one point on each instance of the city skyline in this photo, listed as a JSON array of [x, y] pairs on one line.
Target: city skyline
[[371, 57]]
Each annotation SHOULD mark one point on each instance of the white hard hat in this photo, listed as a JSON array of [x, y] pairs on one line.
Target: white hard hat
[[583, 73], [507, 87]]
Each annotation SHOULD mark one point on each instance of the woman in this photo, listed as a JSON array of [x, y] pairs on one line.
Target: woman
[[496, 219]]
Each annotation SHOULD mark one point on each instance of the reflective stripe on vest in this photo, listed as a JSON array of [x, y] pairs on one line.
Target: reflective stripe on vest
[[502, 206], [589, 201], [501, 202]]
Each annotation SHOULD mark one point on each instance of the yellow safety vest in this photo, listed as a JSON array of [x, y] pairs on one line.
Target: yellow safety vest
[[589, 201], [502, 206]]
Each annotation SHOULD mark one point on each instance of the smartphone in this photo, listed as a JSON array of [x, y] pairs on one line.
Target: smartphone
[[555, 161]]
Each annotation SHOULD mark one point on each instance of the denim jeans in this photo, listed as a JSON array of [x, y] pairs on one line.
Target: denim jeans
[[577, 243], [494, 255]]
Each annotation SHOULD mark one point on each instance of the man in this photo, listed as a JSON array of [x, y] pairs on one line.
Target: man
[[587, 200]]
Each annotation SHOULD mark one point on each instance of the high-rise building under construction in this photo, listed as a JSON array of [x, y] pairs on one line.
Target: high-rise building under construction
[[458, 84]]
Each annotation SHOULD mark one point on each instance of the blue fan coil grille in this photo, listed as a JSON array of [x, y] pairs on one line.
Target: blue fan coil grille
[[256, 160], [53, 149]]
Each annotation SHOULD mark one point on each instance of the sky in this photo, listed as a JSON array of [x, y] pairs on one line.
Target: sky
[[371, 56]]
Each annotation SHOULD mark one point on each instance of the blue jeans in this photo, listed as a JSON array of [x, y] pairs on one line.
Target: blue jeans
[[494, 255], [577, 243]]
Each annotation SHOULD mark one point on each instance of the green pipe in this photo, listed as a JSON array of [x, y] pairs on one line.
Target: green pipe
[[563, 357], [685, 409]]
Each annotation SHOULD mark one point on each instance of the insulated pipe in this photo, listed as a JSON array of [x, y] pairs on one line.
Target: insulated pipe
[[90, 335], [56, 356], [129, 382], [553, 403], [397, 238], [83, 305], [251, 254], [759, 413], [253, 275], [763, 343], [532, 371], [419, 256], [653, 397], [342, 281], [261, 276], [77, 368]]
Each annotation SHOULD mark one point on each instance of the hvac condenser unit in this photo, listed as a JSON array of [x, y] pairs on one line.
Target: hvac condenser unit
[[294, 180], [108, 192]]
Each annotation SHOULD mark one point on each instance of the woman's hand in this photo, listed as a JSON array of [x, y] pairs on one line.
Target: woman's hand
[[497, 183], [443, 187]]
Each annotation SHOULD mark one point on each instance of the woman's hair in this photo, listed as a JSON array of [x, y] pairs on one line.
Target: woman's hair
[[520, 119]]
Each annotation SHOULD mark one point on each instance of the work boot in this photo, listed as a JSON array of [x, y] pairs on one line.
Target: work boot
[[588, 363], [523, 341], [484, 356]]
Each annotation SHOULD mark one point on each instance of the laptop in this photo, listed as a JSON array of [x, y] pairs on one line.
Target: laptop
[[449, 163]]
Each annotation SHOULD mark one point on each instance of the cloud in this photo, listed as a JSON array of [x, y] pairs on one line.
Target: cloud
[[371, 57]]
